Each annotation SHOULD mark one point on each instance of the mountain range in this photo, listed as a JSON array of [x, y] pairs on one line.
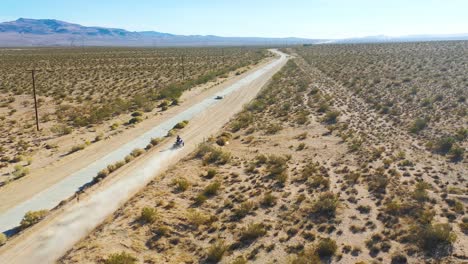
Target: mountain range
[[50, 32]]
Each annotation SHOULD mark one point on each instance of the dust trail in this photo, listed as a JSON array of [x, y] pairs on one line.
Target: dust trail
[[81, 218]]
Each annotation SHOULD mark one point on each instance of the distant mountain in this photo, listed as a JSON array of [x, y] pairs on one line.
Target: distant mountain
[[51, 32], [410, 38]]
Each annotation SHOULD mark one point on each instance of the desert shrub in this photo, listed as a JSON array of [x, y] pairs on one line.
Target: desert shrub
[[269, 200], [114, 126], [20, 171], [61, 129], [148, 215], [32, 217], [307, 256], [276, 165], [181, 125], [323, 107], [433, 238], [443, 145], [242, 121], [216, 252], [273, 128], [3, 239], [418, 125], [326, 247], [135, 120], [420, 194], [137, 152], [102, 174], [198, 218], [318, 181], [155, 141], [181, 184], [239, 260], [252, 232], [464, 225], [77, 148], [137, 113], [222, 140], [211, 154], [211, 173], [399, 258], [120, 258], [326, 204], [212, 188], [244, 209], [377, 183], [301, 146], [461, 134], [364, 209], [331, 117], [456, 153]]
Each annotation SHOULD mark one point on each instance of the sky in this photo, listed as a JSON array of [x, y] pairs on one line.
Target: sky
[[260, 18]]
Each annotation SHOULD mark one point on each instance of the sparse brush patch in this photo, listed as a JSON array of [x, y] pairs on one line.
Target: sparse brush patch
[[326, 204], [243, 120], [216, 252], [399, 258], [121, 258], [307, 256], [20, 171], [326, 247], [434, 238], [244, 209], [273, 128], [464, 225], [212, 188], [181, 124], [269, 200], [198, 218], [239, 260], [155, 141], [377, 182], [134, 120], [331, 117], [32, 217], [3, 239], [181, 184], [211, 173], [137, 152], [77, 148], [418, 125], [364, 209], [276, 165], [252, 232], [149, 215], [210, 154]]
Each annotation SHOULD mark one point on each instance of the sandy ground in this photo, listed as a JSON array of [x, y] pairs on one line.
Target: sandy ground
[[46, 241]]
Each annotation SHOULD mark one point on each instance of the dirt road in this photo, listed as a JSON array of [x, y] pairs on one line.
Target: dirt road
[[49, 239]]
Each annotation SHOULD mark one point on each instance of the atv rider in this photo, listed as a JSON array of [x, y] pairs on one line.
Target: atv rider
[[179, 141]]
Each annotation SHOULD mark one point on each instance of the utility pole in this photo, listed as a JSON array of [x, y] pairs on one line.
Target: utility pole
[[222, 51], [183, 68], [33, 71]]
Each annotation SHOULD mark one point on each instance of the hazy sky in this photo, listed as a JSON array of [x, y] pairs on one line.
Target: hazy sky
[[266, 18]]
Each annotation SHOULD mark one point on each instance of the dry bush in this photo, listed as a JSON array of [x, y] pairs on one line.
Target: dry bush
[[32, 217], [121, 258]]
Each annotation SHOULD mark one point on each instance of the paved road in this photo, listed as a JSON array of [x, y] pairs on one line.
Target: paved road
[[50, 239]]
